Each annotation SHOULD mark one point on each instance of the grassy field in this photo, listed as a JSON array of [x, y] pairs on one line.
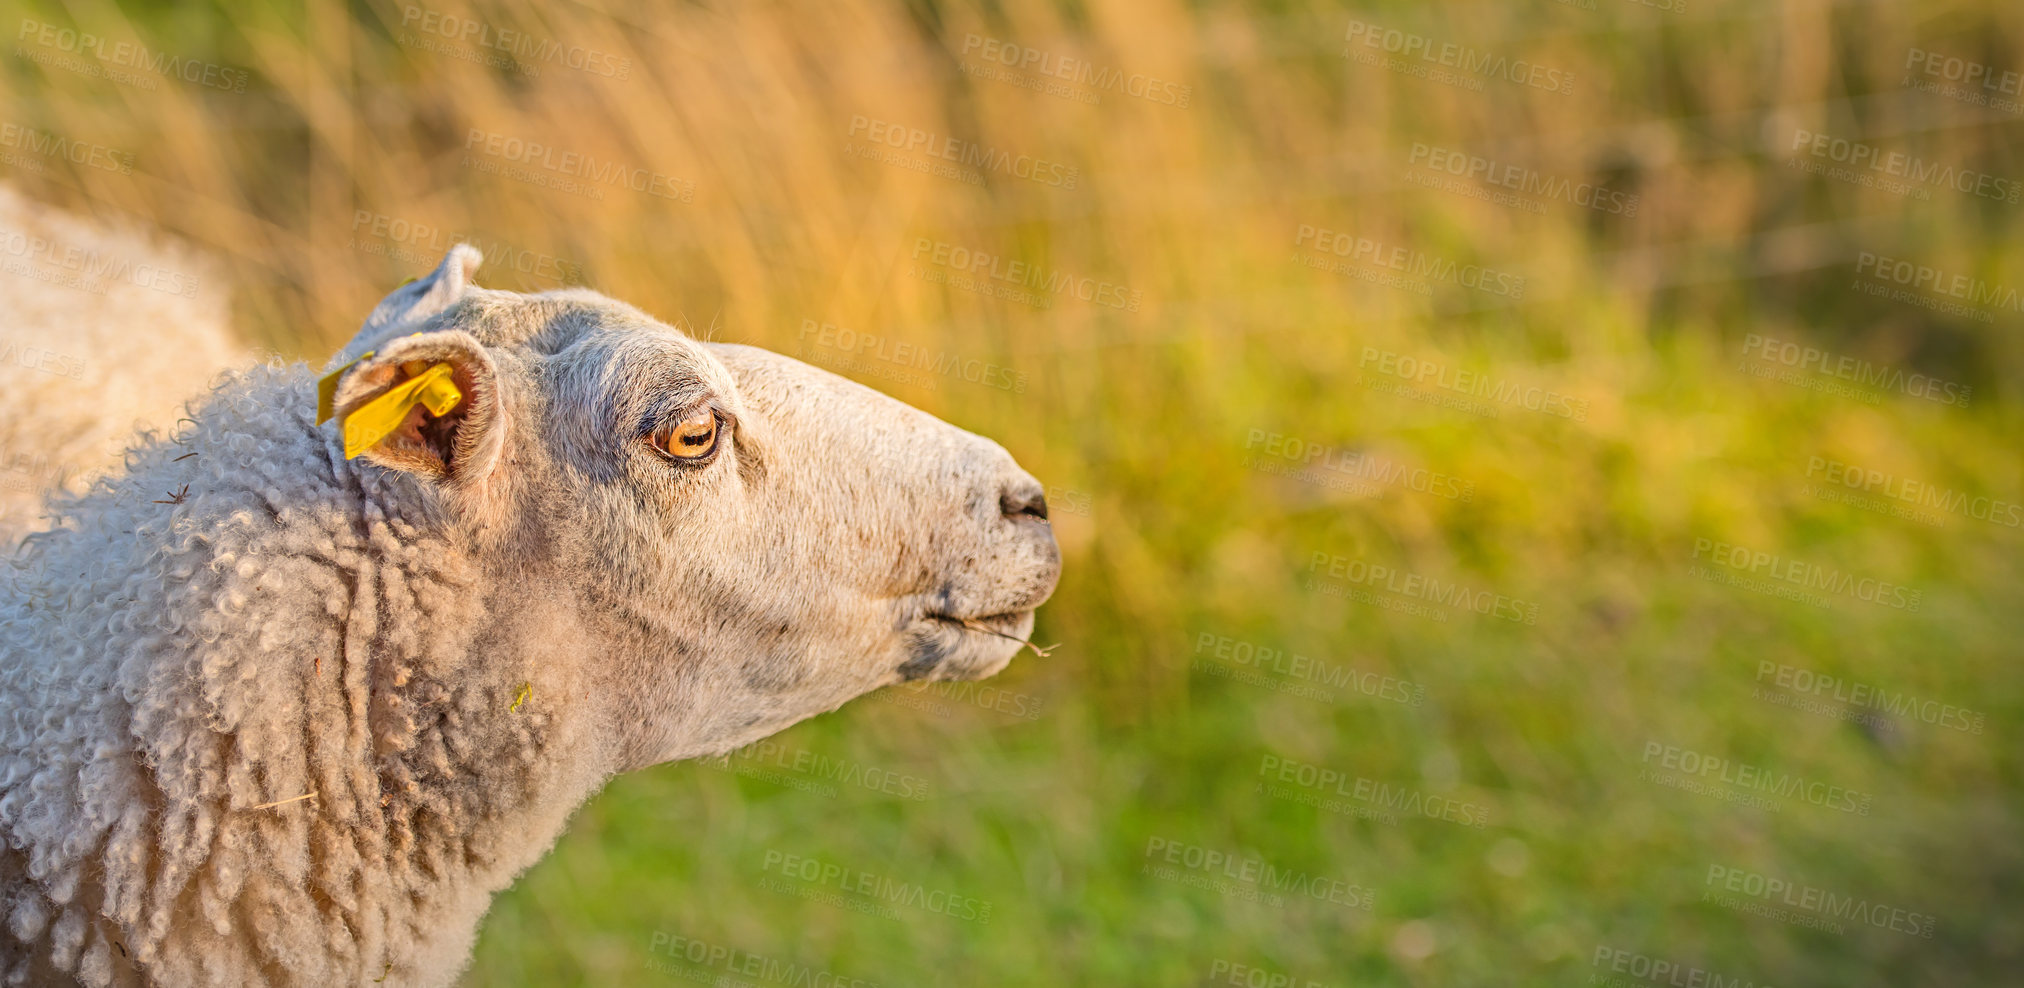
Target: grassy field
[[1537, 481]]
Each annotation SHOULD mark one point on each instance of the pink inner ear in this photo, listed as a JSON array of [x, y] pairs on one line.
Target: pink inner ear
[[410, 434], [460, 448], [422, 433]]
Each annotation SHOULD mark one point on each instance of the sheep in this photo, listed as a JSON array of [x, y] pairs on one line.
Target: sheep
[[105, 333], [301, 725]]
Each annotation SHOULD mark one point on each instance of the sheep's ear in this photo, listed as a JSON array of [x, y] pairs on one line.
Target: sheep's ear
[[429, 404], [409, 305]]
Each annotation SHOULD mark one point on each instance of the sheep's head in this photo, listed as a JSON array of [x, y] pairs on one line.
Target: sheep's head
[[744, 540]]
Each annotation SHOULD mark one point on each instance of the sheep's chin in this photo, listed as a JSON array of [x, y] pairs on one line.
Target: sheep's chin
[[950, 648]]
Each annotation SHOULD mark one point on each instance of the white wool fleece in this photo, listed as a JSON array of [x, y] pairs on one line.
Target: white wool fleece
[[174, 667]]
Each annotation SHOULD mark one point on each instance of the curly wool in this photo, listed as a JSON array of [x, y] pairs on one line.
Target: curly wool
[[176, 675]]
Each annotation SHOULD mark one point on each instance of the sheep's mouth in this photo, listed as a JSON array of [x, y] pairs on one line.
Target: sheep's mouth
[[997, 624], [1012, 626]]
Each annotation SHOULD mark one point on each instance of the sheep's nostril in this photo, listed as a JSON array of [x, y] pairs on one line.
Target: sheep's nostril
[[1021, 499]]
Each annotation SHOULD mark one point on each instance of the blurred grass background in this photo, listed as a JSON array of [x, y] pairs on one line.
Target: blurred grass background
[[355, 123]]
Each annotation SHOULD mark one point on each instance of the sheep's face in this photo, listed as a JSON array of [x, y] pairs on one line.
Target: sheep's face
[[753, 540]]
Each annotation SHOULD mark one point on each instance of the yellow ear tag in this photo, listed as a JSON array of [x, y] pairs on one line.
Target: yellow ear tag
[[326, 389], [378, 418]]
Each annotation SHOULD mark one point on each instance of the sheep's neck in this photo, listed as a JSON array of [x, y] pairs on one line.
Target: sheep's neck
[[481, 724]]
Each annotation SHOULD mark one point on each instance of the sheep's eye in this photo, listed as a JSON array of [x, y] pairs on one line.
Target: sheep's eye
[[693, 438]]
